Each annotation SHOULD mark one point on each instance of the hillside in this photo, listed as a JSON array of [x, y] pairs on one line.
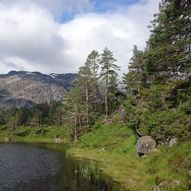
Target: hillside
[[113, 148], [21, 88]]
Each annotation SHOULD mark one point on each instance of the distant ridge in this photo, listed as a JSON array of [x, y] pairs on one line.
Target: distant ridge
[[24, 89]]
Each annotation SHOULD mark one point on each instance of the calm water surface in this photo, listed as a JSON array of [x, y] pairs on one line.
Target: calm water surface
[[29, 168]]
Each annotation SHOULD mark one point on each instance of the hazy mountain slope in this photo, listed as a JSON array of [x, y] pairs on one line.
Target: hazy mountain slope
[[22, 88]]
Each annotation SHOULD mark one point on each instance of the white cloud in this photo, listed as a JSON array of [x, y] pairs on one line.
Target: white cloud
[[118, 31], [56, 7], [31, 39]]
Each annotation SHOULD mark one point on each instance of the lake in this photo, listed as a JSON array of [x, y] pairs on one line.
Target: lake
[[34, 168]]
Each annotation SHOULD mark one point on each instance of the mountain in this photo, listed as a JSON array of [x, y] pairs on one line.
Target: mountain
[[25, 89]]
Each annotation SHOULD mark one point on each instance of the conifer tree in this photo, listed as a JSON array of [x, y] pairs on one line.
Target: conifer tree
[[108, 72], [112, 93], [78, 101], [72, 109], [92, 63], [169, 54], [136, 72], [84, 83]]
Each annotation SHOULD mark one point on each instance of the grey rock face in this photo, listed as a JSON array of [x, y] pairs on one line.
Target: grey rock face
[[20, 89], [173, 141], [145, 145], [6, 139], [122, 114], [57, 140]]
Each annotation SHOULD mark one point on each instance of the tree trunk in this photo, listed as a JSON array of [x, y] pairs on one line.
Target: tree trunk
[[76, 123], [106, 95], [87, 105]]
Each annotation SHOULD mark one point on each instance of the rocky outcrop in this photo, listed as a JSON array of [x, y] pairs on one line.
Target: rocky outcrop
[[122, 114], [20, 89], [6, 139], [145, 145], [173, 141], [57, 140]]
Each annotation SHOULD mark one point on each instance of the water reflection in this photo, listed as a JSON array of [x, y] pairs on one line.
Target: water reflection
[[27, 168]]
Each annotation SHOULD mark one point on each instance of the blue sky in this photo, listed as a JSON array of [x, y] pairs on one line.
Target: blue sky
[[55, 36], [111, 5], [100, 7]]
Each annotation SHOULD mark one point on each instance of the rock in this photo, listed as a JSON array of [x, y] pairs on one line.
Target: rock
[[108, 122], [57, 140], [145, 145], [102, 149], [173, 141], [122, 114], [6, 139]]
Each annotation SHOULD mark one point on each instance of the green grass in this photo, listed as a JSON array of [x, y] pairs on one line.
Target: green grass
[[113, 147], [27, 134]]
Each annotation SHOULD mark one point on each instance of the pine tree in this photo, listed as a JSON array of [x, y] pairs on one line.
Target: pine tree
[[2, 117], [72, 109], [108, 70], [169, 54], [84, 82], [13, 122], [78, 102], [135, 77], [113, 93], [92, 63], [36, 119]]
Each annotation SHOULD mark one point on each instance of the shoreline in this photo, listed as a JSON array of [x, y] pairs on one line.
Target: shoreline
[[121, 165], [104, 166], [140, 173], [67, 148]]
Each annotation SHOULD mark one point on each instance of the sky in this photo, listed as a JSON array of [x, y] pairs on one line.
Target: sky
[[56, 36]]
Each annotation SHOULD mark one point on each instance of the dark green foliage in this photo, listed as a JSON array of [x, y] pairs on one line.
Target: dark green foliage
[[136, 76], [168, 56], [37, 116], [186, 107], [84, 102], [108, 76], [162, 111], [158, 81], [164, 125]]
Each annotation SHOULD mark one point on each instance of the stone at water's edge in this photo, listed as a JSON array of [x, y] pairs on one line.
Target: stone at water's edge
[[145, 145], [9, 139], [57, 140], [6, 139]]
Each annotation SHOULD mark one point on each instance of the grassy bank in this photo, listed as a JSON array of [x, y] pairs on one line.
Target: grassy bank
[[113, 147], [37, 135]]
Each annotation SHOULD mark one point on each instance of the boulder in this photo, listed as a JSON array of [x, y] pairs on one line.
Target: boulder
[[173, 141], [122, 114], [145, 145], [6, 139], [108, 122], [57, 140]]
